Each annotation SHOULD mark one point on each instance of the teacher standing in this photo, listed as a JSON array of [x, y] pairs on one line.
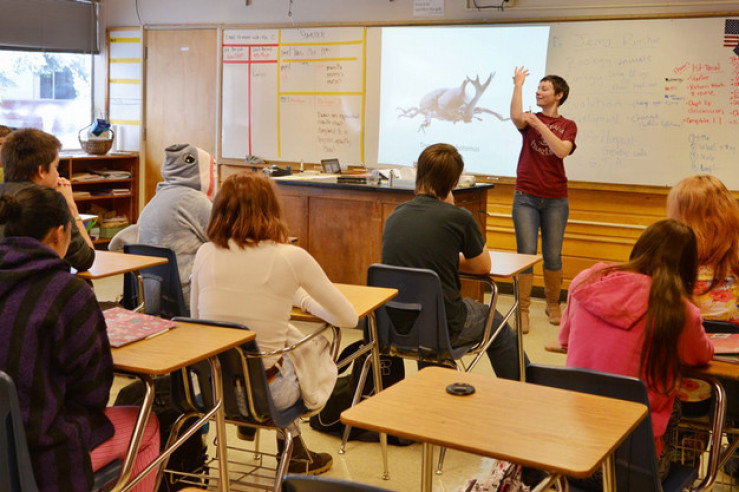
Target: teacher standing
[[540, 199]]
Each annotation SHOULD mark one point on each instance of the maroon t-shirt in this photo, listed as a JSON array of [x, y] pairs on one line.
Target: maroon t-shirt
[[541, 173]]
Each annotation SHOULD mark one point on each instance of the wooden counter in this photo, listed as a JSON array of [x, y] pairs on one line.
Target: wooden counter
[[341, 225]]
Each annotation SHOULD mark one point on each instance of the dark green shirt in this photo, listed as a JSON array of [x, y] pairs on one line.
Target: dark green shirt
[[429, 233]]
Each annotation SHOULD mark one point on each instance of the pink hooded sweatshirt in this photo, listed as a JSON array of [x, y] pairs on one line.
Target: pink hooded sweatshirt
[[603, 326]]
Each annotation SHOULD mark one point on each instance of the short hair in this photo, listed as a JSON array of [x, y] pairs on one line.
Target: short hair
[[33, 211], [25, 150], [4, 131], [439, 169], [560, 85], [247, 211], [705, 204]]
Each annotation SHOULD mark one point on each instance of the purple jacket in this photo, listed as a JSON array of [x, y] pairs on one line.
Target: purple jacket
[[54, 346], [603, 328]]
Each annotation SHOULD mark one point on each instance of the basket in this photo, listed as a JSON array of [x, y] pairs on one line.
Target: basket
[[96, 145]]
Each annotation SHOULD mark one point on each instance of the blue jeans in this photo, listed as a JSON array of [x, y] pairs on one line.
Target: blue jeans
[[503, 352], [550, 214]]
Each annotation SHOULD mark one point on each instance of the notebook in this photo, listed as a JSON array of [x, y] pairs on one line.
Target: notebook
[[126, 326], [725, 343]]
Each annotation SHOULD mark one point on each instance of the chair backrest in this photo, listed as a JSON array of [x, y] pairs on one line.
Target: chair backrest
[[413, 324], [16, 471], [162, 286], [636, 459], [306, 483], [246, 394]]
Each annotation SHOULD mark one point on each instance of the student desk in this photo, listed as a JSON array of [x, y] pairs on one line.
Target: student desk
[[110, 263], [179, 347], [365, 300], [507, 265], [554, 430]]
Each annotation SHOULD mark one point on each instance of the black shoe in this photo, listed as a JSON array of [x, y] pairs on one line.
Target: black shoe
[[304, 460], [246, 433]]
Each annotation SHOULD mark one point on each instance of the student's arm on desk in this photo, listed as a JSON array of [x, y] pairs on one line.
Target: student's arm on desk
[[318, 295], [479, 265]]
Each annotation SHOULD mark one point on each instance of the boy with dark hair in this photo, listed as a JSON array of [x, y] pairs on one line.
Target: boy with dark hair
[[431, 232], [31, 156]]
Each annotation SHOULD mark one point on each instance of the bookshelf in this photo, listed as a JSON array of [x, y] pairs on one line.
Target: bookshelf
[[114, 188]]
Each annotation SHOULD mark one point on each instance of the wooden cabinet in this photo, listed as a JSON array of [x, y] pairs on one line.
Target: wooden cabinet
[[114, 190]]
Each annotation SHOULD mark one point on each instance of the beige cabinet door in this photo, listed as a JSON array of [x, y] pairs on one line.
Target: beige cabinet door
[[181, 80]]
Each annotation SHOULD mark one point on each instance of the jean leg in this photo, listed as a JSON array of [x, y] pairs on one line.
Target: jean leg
[[554, 217], [526, 222], [503, 352]]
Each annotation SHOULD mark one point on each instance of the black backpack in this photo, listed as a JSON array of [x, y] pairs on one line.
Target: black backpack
[[328, 419]]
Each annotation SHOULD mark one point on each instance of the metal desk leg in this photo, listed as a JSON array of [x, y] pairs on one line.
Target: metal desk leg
[[141, 308], [138, 432], [222, 450], [377, 374], [519, 333], [716, 458], [427, 472], [609, 474]]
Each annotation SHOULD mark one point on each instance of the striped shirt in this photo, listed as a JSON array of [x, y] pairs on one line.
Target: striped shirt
[[54, 346]]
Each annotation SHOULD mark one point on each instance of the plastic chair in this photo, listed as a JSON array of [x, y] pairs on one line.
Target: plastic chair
[[303, 483], [636, 458], [16, 471], [247, 400], [162, 286], [413, 325]]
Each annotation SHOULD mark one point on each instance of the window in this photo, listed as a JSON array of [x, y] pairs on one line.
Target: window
[[48, 91]]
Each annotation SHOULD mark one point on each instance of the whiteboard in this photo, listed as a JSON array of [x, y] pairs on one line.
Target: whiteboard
[[293, 94], [654, 100]]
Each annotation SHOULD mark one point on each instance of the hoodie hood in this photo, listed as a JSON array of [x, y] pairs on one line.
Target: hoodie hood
[[619, 299], [22, 258], [187, 165]]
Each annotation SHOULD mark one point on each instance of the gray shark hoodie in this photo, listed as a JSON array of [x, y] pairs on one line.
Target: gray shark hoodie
[[177, 217]]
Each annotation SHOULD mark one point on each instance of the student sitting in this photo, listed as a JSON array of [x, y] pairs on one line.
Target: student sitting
[[636, 319], [54, 346], [177, 216], [31, 156], [431, 232], [704, 203], [249, 274]]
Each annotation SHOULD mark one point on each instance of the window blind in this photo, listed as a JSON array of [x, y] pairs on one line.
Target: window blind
[[49, 25]]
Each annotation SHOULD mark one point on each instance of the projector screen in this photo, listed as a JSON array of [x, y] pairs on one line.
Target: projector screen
[[454, 85]]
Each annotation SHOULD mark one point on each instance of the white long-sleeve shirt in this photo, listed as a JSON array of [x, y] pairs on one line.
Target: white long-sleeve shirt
[[257, 286]]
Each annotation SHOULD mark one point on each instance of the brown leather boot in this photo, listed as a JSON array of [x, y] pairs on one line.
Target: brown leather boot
[[552, 288], [525, 281], [304, 460]]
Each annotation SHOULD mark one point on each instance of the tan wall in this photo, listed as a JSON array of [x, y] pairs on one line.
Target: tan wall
[[604, 223]]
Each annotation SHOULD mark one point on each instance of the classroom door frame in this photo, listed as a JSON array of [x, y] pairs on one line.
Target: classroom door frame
[[181, 94]]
